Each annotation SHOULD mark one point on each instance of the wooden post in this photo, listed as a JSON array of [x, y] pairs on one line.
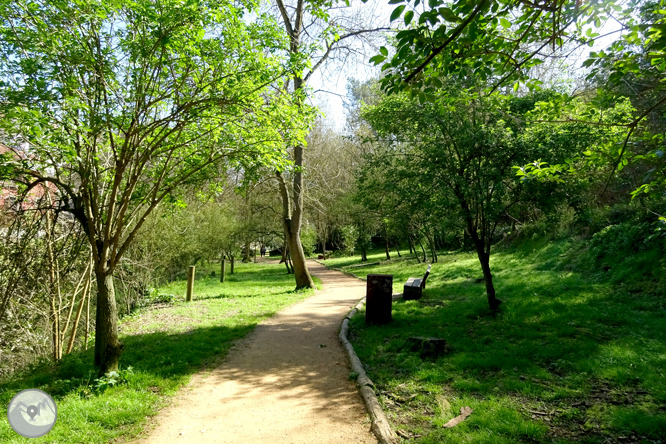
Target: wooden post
[[190, 283], [222, 270], [379, 299]]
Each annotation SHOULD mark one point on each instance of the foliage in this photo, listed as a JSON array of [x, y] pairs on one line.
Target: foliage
[[309, 239], [626, 238], [498, 41], [114, 378], [349, 235]]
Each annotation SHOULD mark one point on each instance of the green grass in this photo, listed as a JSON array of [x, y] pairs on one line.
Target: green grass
[[165, 345], [572, 356]]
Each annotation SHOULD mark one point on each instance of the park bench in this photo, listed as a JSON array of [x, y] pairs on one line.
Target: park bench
[[413, 288]]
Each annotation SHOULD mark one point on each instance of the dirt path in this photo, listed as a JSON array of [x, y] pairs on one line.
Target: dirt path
[[287, 382]]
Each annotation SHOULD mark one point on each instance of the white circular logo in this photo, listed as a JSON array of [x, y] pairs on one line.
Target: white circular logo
[[32, 413]]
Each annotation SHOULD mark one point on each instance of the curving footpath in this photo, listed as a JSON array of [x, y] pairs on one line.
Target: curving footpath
[[287, 382]]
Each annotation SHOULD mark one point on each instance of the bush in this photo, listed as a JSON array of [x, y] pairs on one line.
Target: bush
[[155, 297], [348, 235], [622, 239], [309, 239]]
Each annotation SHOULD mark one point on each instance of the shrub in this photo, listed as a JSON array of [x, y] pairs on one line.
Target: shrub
[[622, 239]]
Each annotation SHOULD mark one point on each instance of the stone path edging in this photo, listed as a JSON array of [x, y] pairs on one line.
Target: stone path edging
[[380, 424]]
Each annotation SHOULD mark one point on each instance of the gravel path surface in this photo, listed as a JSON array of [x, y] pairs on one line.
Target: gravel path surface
[[287, 382]]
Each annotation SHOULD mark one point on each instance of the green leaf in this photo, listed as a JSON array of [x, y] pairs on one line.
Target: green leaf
[[505, 23], [383, 50], [409, 15], [397, 12], [448, 15], [377, 59]]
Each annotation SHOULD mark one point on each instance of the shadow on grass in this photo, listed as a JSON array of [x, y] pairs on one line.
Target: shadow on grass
[[587, 356], [163, 361]]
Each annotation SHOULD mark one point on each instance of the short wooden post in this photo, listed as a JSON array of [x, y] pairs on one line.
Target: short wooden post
[[190, 283], [379, 299], [222, 270]]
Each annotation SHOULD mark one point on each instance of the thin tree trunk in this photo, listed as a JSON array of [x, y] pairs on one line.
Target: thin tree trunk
[[284, 251], [412, 248], [222, 266], [483, 254], [423, 249], [291, 223], [85, 344], [484, 259], [433, 248], [53, 288], [84, 295], [107, 346], [232, 264], [397, 250], [386, 244]]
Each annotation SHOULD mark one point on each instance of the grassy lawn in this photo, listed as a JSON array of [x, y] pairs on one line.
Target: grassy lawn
[[572, 357], [165, 344]]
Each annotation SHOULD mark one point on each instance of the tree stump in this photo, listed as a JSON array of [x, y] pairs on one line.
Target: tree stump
[[428, 347]]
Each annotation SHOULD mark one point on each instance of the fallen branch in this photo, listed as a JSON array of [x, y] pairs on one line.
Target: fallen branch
[[464, 413]]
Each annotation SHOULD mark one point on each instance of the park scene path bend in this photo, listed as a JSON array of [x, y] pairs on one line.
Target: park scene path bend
[[287, 382]]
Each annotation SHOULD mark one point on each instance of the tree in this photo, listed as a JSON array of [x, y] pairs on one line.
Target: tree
[[503, 42], [121, 103], [458, 150], [315, 36]]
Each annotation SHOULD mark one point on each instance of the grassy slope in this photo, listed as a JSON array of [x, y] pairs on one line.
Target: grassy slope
[[572, 357], [165, 344]]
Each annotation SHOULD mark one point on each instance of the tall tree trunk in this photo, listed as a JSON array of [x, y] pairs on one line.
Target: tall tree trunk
[[85, 295], [386, 245], [364, 254], [107, 346], [397, 249], [482, 252], [232, 260], [291, 222], [54, 287], [87, 332], [412, 248], [484, 259], [292, 218], [423, 250], [433, 248], [284, 251], [298, 265]]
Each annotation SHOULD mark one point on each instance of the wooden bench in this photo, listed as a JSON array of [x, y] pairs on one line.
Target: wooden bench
[[413, 288]]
